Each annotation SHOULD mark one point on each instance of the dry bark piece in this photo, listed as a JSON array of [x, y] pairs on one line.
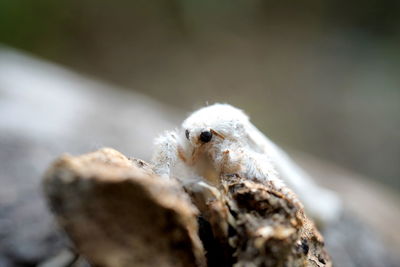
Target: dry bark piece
[[255, 224], [271, 227], [119, 213]]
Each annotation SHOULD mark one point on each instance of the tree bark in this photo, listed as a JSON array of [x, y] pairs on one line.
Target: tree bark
[[118, 212]]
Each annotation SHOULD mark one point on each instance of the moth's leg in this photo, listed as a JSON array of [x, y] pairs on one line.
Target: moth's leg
[[226, 160], [166, 153], [232, 160], [259, 167]]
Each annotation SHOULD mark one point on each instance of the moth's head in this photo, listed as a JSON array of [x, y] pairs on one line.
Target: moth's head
[[215, 123]]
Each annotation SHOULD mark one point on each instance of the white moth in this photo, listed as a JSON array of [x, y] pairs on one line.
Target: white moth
[[220, 139]]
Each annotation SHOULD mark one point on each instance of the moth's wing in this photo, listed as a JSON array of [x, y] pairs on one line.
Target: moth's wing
[[322, 204], [289, 171]]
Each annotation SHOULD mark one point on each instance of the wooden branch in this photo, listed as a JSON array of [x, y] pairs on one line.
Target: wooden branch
[[119, 213]]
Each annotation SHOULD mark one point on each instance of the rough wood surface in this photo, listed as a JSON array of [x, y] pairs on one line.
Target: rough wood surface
[[254, 224], [119, 213]]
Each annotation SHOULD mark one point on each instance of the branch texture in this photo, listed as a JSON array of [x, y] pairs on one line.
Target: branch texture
[[118, 212]]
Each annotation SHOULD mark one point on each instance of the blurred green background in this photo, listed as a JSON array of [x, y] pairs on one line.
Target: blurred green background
[[317, 76]]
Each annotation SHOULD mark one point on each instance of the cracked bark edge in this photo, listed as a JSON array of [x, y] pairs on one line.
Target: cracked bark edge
[[271, 226], [248, 223], [118, 212]]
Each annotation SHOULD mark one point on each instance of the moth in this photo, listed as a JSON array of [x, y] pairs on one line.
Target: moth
[[220, 140]]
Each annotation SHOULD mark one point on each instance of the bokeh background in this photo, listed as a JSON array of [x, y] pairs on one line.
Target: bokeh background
[[320, 77]]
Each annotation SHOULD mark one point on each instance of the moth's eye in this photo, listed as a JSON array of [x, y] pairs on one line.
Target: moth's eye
[[206, 136], [187, 134]]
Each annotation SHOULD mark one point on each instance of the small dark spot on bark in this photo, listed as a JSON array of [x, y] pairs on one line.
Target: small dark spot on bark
[[321, 260], [304, 247], [138, 162]]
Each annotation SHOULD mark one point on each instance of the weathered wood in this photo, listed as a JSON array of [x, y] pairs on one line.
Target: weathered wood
[[254, 224], [119, 213]]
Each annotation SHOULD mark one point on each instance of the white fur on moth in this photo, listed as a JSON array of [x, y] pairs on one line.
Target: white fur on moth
[[220, 139]]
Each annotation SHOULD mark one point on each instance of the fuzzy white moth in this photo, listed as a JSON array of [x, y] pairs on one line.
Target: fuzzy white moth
[[220, 139]]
